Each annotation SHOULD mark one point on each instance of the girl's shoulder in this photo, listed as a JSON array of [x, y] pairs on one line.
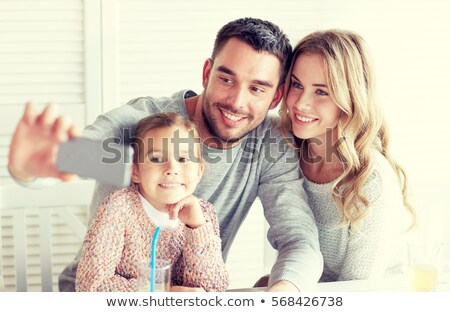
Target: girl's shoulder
[[122, 198]]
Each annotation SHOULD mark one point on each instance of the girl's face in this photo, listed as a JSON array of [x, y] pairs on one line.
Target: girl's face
[[169, 167], [311, 108]]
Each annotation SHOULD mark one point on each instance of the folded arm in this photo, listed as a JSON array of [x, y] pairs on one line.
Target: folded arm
[[201, 263]]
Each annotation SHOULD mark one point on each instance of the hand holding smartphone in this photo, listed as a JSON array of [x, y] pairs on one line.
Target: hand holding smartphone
[[104, 161]]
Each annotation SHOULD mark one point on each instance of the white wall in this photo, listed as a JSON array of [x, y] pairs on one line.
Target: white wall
[[91, 56]]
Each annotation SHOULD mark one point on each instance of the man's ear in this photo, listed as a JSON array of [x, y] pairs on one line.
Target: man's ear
[[277, 97], [135, 177], [206, 72]]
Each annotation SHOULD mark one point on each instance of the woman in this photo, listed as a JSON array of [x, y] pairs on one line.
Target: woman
[[357, 192]]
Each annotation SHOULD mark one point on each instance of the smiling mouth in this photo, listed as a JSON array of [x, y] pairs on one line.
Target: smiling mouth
[[232, 117], [171, 185], [305, 119]]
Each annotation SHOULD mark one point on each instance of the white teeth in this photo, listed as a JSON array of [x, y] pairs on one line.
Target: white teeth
[[232, 117], [304, 119], [170, 184]]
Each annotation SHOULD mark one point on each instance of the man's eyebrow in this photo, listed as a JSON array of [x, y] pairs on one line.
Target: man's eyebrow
[[314, 84], [263, 83], [228, 71]]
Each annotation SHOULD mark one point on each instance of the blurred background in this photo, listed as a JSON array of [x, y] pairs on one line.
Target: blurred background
[[92, 56]]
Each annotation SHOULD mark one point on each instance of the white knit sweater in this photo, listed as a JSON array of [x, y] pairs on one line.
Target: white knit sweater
[[378, 246]]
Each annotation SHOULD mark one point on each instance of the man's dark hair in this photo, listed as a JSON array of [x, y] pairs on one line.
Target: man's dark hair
[[263, 36]]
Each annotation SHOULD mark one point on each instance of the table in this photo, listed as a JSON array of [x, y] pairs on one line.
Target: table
[[390, 284]]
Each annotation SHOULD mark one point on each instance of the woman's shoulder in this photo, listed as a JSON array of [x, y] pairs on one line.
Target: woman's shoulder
[[382, 180], [388, 197], [383, 168]]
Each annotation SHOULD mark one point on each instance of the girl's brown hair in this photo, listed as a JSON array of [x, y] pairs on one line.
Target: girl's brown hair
[[163, 120]]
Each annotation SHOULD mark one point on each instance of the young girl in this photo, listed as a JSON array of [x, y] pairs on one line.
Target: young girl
[[166, 169], [356, 190]]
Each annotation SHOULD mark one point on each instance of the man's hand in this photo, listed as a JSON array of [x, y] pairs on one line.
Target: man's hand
[[188, 210], [283, 286], [35, 142]]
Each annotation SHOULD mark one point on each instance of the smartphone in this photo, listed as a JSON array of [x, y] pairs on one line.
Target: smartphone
[[105, 161]]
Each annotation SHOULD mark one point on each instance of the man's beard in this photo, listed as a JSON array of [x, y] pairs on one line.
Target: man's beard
[[213, 130]]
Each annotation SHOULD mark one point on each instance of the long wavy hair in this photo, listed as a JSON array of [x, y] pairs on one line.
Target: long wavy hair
[[350, 78]]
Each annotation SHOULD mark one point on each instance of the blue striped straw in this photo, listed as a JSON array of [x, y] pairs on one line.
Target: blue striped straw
[[153, 259]]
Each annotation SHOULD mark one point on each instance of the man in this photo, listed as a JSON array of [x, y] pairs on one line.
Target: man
[[245, 158]]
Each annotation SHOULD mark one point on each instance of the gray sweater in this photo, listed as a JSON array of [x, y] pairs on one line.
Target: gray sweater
[[377, 248], [261, 166]]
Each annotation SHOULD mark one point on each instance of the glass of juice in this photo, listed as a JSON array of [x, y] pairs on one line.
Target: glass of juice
[[423, 265]]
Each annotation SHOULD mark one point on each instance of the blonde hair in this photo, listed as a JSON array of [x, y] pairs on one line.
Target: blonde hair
[[164, 120], [350, 78]]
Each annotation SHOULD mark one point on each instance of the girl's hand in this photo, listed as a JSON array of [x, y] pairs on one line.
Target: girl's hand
[[188, 210]]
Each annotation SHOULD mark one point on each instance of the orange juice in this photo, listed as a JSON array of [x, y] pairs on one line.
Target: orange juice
[[423, 277]]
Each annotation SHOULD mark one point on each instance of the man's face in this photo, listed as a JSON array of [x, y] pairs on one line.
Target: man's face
[[240, 88]]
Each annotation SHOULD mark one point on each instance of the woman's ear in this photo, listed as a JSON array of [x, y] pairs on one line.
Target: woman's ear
[[135, 177]]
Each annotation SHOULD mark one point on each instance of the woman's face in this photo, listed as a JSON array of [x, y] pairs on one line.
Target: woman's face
[[310, 105]]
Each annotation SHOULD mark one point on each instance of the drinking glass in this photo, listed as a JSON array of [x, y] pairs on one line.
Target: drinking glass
[[162, 275], [423, 265]]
